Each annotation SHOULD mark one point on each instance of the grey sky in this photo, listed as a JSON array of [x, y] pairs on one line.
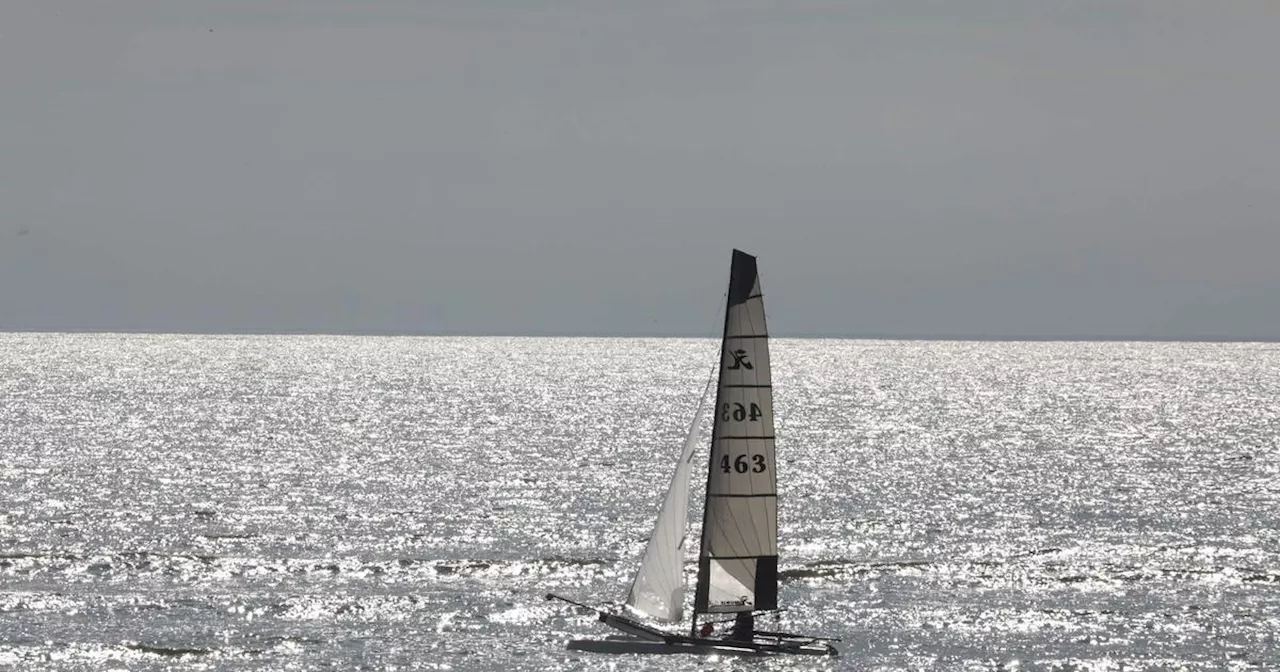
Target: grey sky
[[906, 168]]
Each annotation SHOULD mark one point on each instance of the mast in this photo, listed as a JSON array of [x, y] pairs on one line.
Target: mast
[[738, 561]]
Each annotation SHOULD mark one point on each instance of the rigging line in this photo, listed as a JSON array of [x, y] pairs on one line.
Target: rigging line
[[715, 366], [703, 589], [702, 399], [713, 374]]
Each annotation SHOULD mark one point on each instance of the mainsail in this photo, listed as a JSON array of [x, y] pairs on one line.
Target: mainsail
[[738, 566], [658, 589]]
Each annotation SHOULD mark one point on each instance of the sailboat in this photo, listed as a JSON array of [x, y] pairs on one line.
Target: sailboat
[[738, 557]]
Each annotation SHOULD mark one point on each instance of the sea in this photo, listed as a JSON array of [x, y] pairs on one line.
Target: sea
[[197, 502]]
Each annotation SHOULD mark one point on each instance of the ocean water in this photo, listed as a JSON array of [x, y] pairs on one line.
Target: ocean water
[[313, 503]]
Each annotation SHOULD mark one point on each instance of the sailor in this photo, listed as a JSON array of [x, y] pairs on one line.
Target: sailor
[[744, 627]]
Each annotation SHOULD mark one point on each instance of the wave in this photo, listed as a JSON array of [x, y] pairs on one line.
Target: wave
[[90, 567], [99, 656], [72, 568], [551, 565], [1011, 568], [167, 651], [822, 569]]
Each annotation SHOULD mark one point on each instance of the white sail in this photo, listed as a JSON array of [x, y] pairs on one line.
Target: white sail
[[658, 589], [738, 564]]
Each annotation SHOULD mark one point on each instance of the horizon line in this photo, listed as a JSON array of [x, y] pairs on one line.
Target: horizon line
[[863, 336]]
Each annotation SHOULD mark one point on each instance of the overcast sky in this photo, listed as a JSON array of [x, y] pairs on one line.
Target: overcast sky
[[1006, 169]]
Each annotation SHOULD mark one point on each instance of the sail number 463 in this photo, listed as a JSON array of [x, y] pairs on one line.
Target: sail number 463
[[739, 412], [742, 464]]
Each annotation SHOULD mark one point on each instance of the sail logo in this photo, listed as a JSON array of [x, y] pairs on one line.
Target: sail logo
[[740, 360]]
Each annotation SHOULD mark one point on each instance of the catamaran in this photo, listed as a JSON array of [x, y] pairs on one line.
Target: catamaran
[[738, 559]]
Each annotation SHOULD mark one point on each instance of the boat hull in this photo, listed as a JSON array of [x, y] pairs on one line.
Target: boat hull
[[699, 647]]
